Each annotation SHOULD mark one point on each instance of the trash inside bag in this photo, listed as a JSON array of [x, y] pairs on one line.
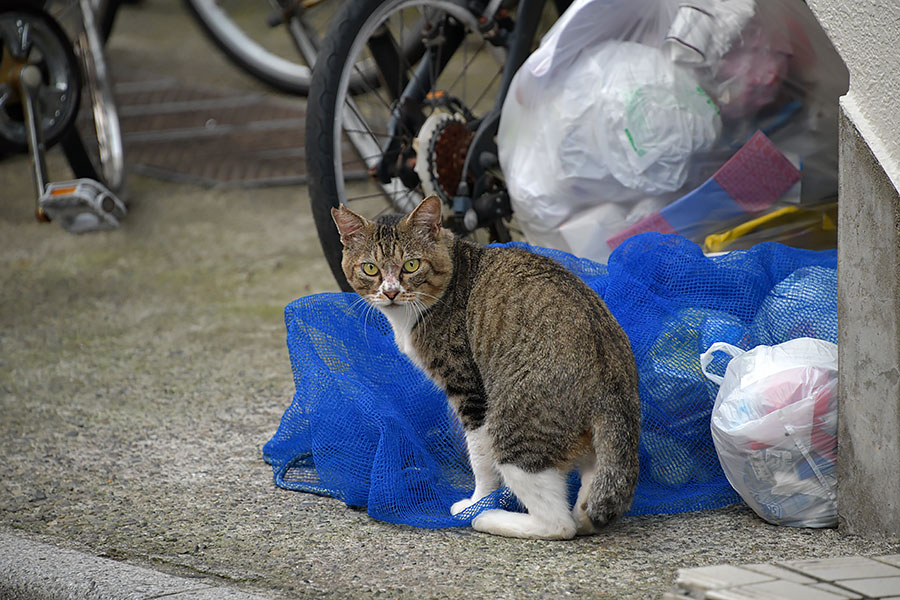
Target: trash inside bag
[[774, 425], [626, 118], [814, 228]]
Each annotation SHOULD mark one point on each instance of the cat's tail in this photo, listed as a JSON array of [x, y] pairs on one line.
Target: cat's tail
[[615, 441]]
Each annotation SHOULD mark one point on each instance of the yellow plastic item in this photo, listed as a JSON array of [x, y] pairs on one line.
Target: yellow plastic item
[[817, 228]]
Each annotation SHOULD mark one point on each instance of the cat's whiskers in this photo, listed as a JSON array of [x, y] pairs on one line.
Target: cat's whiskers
[[411, 314], [422, 306], [369, 302], [358, 300], [369, 309], [419, 308], [365, 315], [418, 293]]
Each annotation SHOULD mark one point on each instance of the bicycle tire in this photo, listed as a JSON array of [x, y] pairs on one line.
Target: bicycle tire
[[249, 54], [93, 147], [345, 44]]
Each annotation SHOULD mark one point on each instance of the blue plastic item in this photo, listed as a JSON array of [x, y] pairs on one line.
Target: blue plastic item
[[367, 427]]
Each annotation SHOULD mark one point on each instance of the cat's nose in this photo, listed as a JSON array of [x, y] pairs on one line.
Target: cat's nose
[[391, 294]]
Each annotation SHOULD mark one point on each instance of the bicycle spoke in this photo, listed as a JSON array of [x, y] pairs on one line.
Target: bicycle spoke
[[467, 63], [487, 88]]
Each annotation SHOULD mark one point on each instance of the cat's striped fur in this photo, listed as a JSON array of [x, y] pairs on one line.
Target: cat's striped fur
[[539, 372]]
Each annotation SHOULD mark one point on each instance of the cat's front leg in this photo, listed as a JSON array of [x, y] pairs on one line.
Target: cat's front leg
[[481, 458]]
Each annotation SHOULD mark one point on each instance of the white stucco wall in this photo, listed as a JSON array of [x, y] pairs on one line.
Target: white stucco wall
[[866, 33]]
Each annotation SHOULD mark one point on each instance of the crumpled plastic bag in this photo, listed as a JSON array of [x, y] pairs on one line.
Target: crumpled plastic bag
[[628, 107], [774, 426], [626, 122]]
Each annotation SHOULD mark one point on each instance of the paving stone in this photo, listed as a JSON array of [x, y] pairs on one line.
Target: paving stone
[[827, 587], [891, 559], [874, 587], [718, 576], [848, 567], [777, 572], [677, 595], [773, 590]]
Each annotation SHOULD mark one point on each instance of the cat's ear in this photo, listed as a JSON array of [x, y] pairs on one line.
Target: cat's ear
[[349, 223], [426, 215]]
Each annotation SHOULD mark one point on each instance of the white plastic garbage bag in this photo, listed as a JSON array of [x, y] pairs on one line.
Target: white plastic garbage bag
[[633, 105], [625, 123], [774, 426]]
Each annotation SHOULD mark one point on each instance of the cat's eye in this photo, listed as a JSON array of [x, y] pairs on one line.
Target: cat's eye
[[369, 269], [411, 266]]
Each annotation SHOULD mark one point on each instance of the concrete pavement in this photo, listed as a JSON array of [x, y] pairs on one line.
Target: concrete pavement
[[142, 370]]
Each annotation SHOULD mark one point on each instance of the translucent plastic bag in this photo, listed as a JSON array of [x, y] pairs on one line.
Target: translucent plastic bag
[[624, 118], [774, 426], [611, 125]]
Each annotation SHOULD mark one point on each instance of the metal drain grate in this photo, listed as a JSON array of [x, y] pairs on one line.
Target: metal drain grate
[[190, 134]]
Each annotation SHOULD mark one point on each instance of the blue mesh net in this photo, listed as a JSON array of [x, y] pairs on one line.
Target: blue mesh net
[[367, 427]]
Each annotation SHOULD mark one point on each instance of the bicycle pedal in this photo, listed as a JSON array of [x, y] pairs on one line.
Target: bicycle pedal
[[82, 205]]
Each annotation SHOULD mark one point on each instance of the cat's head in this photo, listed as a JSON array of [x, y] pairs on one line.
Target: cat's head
[[396, 261]]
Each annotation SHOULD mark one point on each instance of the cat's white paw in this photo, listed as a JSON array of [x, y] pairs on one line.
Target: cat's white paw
[[583, 523], [521, 525], [462, 505]]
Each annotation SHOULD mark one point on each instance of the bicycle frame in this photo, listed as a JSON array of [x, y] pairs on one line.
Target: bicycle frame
[[525, 30], [482, 151]]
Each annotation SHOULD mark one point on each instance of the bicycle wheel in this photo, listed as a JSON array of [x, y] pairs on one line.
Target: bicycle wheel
[[407, 136], [28, 35], [94, 146], [243, 31]]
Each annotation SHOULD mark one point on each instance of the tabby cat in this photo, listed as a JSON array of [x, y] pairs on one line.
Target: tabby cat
[[539, 372]]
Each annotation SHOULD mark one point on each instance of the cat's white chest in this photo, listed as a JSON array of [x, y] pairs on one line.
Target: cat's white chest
[[402, 321]]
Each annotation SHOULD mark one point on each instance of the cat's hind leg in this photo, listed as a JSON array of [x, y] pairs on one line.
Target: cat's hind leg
[[544, 495], [482, 460], [587, 469]]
